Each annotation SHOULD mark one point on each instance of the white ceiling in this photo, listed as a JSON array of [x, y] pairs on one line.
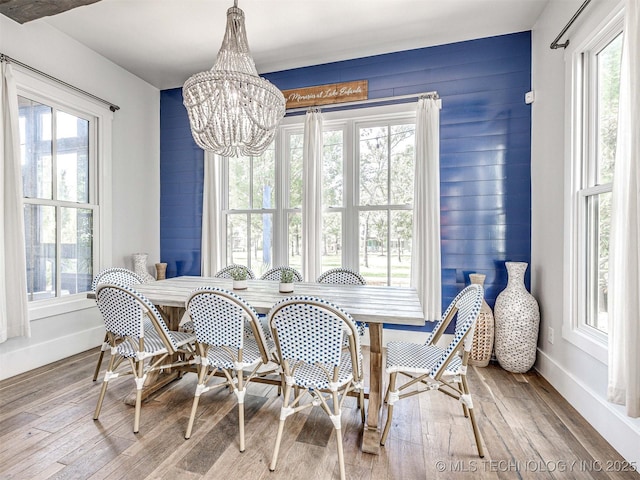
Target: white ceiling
[[166, 41]]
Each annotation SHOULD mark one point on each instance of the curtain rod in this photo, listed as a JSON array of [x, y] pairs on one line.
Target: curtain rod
[[433, 94], [7, 58], [555, 43]]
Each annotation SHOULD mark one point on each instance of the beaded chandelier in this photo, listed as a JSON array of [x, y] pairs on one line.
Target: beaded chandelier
[[233, 112]]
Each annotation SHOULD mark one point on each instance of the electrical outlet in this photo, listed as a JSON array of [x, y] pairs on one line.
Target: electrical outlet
[[529, 97], [550, 335]]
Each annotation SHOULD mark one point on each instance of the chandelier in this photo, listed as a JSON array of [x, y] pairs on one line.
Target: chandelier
[[232, 111]]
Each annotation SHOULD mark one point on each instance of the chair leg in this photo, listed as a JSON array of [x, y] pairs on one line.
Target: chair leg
[[472, 418], [340, 453], [336, 419], [194, 407], [392, 388], [202, 372], [103, 390], [361, 400], [241, 421], [285, 405], [105, 345], [465, 410], [139, 384], [240, 391]]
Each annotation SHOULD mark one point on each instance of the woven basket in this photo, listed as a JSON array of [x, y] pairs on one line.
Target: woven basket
[[482, 346]]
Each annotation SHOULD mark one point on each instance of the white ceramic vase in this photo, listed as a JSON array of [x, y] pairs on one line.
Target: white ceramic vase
[[517, 320], [240, 284], [140, 267], [286, 287]]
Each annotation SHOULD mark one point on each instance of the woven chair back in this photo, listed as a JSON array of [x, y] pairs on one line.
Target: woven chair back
[[124, 311], [342, 276], [226, 271], [121, 276]]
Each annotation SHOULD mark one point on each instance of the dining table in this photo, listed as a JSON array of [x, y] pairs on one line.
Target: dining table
[[374, 304]]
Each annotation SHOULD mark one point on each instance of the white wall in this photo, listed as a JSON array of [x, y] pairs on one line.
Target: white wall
[[578, 376], [135, 178]]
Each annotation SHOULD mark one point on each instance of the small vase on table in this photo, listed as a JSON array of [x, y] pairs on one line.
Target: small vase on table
[[161, 271], [239, 276], [140, 267], [286, 281]]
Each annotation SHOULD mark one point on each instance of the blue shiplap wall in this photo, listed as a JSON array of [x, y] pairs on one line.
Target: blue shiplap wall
[[485, 153]]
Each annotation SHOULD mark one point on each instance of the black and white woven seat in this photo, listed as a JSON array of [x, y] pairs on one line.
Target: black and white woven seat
[[344, 276], [127, 315], [220, 318], [276, 272], [317, 370], [432, 368], [121, 276]]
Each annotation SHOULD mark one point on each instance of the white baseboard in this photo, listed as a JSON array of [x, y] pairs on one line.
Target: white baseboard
[[24, 359], [622, 432]]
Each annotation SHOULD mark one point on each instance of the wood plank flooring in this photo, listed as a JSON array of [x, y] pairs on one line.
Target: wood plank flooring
[[47, 432]]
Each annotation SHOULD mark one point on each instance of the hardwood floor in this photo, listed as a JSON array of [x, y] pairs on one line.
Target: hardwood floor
[[47, 432]]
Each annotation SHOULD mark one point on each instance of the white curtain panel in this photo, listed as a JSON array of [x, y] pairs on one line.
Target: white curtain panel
[[14, 318], [624, 244], [312, 195], [425, 255], [211, 215]]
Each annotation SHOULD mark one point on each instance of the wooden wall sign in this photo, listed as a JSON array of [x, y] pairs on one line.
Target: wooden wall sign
[[326, 94]]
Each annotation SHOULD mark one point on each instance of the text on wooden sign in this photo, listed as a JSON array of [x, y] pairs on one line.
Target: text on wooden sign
[[326, 94]]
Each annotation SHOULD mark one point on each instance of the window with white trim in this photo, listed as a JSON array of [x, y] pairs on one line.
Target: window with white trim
[[594, 125], [59, 150], [367, 196]]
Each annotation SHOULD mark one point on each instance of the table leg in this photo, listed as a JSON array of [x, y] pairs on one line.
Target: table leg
[[371, 434]]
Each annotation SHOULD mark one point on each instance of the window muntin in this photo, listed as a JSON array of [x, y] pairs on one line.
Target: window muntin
[[57, 168]]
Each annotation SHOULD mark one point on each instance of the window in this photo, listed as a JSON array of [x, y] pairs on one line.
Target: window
[[59, 149], [250, 211], [367, 190], [594, 123], [332, 198], [385, 194], [602, 93], [58, 214]]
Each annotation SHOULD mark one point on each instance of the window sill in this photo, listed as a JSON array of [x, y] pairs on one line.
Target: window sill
[[59, 306], [588, 342]]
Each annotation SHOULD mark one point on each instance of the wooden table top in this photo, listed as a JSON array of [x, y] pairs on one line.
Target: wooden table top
[[366, 303]]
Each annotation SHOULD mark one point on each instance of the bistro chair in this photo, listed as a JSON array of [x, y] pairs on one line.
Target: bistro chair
[[121, 276], [431, 368], [344, 276], [187, 325], [219, 319], [274, 274], [341, 276], [317, 371], [226, 271], [146, 349]]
